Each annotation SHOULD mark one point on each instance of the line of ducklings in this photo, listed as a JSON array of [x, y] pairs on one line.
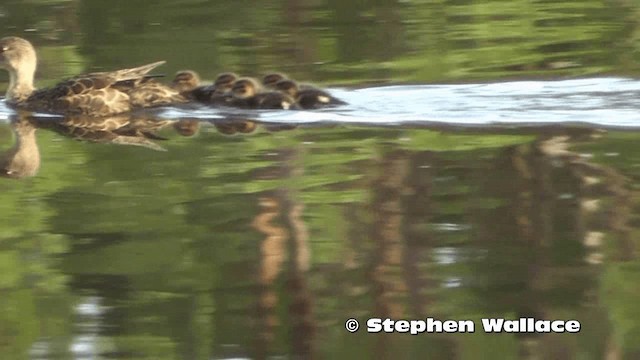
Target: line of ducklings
[[275, 91]]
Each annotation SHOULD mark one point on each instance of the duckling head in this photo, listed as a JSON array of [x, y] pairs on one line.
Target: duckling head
[[270, 80], [19, 58], [245, 88], [185, 80], [224, 82], [288, 87]]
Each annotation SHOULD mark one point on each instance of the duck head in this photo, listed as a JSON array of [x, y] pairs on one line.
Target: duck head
[[18, 57]]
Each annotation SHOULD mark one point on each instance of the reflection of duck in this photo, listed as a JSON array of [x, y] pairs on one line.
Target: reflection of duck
[[23, 159], [247, 93], [95, 94], [123, 129], [307, 97]]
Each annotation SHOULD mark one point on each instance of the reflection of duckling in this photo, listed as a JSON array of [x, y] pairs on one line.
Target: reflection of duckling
[[245, 88], [95, 94], [185, 81], [246, 126], [230, 127], [279, 127], [270, 80], [307, 97], [23, 159], [246, 94], [225, 127], [186, 127]]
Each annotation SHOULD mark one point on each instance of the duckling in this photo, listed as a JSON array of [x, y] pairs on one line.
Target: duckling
[[220, 92], [224, 82], [185, 81], [245, 88], [95, 94], [307, 97], [246, 94], [270, 80]]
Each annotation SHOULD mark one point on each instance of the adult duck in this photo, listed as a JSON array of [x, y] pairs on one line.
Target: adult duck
[[95, 94]]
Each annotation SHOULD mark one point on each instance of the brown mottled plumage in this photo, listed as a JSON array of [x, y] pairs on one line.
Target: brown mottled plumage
[[121, 129], [136, 129], [96, 94], [307, 97]]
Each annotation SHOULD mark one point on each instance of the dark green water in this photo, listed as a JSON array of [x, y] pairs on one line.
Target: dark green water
[[337, 42], [261, 244]]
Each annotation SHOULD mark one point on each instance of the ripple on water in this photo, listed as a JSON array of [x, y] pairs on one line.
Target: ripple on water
[[610, 102]]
